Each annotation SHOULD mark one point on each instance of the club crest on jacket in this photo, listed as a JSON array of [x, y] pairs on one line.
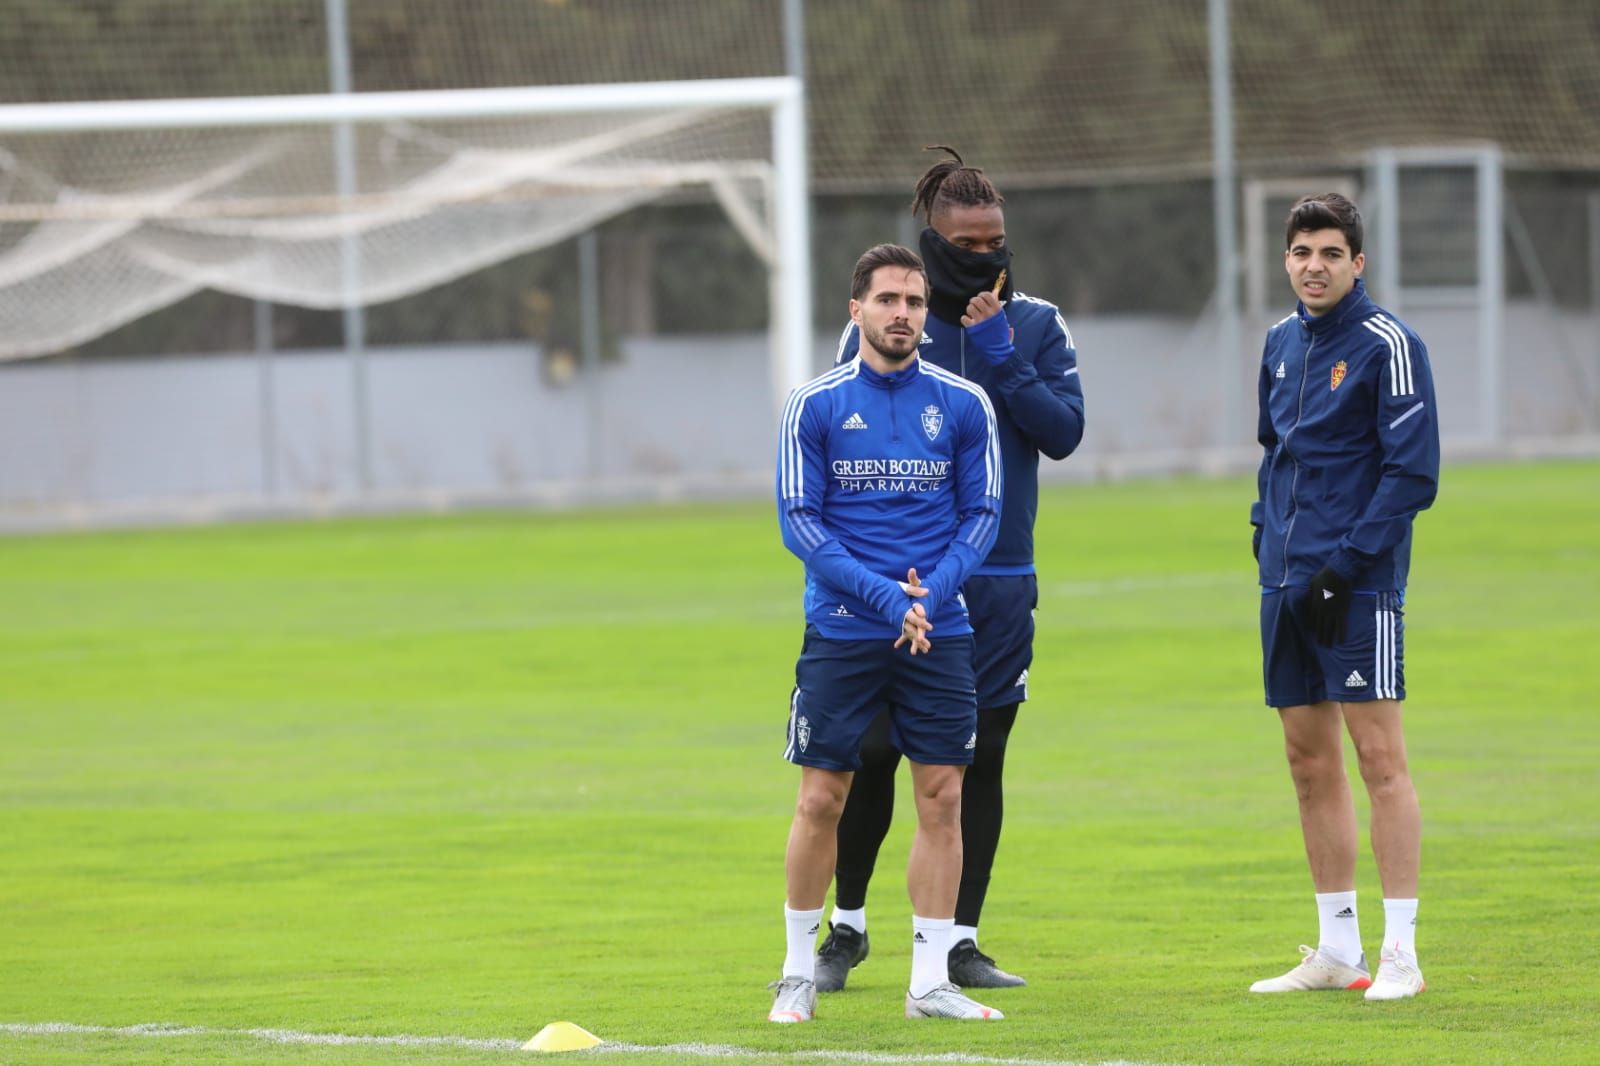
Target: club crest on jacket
[[1339, 369], [932, 421]]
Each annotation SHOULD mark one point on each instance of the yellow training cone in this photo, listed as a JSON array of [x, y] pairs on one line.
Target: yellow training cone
[[561, 1036]]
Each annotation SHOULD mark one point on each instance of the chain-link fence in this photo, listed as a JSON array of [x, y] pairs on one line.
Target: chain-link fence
[[630, 353]]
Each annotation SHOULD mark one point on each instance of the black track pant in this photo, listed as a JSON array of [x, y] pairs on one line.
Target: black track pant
[[870, 809]]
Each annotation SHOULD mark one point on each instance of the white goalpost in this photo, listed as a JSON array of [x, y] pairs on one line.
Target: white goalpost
[[112, 209]]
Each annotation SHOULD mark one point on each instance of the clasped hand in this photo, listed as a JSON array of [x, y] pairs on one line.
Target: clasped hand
[[915, 627]]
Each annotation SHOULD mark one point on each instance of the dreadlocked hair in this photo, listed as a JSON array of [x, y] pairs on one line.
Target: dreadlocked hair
[[951, 183]]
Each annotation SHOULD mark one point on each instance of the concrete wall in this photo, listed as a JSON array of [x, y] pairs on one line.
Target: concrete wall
[[198, 436]]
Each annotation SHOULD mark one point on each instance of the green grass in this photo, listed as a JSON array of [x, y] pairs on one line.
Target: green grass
[[469, 775]]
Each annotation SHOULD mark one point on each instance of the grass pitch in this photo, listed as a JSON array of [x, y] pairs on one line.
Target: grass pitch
[[464, 776]]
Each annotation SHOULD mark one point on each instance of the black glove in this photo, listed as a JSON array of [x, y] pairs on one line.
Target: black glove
[[1255, 543], [1327, 606]]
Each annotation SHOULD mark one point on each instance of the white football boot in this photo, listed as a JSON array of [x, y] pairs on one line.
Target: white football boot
[[1399, 977], [948, 1001], [1317, 972], [794, 1000]]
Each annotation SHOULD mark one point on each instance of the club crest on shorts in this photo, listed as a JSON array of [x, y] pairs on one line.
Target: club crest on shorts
[[1339, 369], [802, 732], [932, 421]]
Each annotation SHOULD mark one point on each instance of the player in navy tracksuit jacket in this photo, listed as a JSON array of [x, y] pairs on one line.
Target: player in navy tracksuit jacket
[[889, 484], [1351, 439], [1023, 356]]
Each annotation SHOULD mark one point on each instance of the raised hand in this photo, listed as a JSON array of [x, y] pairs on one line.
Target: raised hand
[[988, 329]]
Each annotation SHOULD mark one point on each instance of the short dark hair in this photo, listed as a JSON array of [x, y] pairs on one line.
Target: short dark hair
[[884, 255], [1327, 210], [951, 183]]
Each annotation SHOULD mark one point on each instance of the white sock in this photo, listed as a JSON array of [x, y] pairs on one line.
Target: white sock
[[930, 953], [856, 919], [958, 933], [802, 926], [1400, 926], [1340, 934]]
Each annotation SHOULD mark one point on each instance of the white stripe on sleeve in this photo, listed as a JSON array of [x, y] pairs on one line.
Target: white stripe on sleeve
[[1419, 405], [1400, 382], [844, 338], [791, 460], [991, 453]]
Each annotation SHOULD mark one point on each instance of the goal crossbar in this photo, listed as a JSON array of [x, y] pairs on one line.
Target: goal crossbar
[[788, 253], [331, 108]]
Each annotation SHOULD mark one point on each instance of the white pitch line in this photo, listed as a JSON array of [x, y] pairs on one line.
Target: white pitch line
[[717, 1051], [723, 1051], [275, 1036]]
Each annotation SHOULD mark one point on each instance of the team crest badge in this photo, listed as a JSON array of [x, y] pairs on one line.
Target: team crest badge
[[802, 732], [1338, 374], [932, 421]]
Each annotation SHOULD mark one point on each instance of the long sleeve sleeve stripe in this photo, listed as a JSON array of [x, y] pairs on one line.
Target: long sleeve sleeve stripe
[[793, 462], [1400, 380], [991, 452], [1419, 405], [844, 342]]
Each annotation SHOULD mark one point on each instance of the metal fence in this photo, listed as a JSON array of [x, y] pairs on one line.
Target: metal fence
[[632, 359]]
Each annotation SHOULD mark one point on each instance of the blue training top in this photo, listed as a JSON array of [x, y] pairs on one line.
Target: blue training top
[[1038, 403], [878, 473], [1351, 441]]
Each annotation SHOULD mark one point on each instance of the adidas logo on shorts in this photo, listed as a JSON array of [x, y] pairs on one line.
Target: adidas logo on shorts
[[1355, 680]]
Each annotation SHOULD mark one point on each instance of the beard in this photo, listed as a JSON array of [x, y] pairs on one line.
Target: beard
[[895, 347]]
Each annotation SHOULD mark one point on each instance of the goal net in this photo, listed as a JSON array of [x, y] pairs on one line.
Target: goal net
[[111, 210]]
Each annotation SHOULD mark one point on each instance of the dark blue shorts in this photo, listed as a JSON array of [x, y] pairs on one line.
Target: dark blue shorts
[[1001, 611], [840, 686], [1369, 664]]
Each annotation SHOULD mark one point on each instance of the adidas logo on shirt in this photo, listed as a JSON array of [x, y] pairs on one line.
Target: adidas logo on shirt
[[1279, 374], [855, 421], [1355, 680]]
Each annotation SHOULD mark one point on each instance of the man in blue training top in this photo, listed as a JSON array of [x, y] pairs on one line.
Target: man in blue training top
[[889, 488], [1351, 434], [1018, 348]]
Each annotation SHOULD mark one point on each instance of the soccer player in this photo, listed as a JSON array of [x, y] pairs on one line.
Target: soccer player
[[1351, 440], [889, 487], [1018, 348]]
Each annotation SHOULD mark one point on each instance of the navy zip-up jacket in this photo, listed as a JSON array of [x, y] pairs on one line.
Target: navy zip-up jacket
[[1038, 406], [878, 473], [1351, 439]]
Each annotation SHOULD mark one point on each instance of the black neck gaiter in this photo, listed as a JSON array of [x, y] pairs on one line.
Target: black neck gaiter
[[956, 275]]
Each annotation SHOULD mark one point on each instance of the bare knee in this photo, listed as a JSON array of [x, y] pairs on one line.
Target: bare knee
[[1315, 770], [939, 798], [821, 802], [1383, 768]]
